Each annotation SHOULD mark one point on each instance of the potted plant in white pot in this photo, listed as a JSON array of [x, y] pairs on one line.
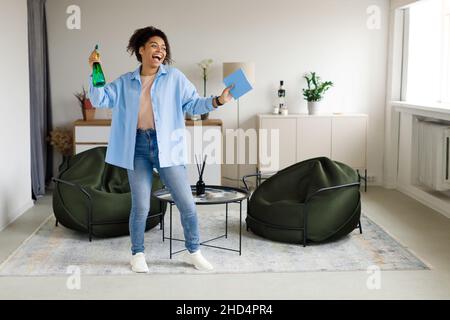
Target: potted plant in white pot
[[205, 66], [315, 91]]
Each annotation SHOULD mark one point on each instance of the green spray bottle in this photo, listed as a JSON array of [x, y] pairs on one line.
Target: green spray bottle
[[98, 77]]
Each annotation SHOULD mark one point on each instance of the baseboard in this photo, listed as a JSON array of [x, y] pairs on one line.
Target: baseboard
[[426, 199], [18, 213]]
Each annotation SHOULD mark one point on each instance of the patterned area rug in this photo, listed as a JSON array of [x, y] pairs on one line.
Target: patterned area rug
[[56, 250]]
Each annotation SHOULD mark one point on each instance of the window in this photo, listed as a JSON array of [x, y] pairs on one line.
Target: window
[[446, 56], [427, 52]]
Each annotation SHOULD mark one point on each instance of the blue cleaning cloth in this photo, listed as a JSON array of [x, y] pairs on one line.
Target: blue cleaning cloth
[[240, 81]]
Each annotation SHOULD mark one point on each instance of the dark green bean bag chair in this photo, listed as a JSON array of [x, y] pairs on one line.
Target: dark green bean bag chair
[[86, 180], [318, 195]]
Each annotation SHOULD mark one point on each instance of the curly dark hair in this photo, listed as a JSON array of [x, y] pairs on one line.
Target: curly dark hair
[[140, 38]]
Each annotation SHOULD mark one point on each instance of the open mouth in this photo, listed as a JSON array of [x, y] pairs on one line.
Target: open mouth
[[157, 57]]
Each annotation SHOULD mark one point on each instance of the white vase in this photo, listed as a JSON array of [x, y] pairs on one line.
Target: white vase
[[314, 107], [193, 117]]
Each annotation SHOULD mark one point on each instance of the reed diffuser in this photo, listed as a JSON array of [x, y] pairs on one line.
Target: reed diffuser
[[200, 185]]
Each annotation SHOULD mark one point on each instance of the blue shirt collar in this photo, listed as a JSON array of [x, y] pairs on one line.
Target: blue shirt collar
[[137, 73]]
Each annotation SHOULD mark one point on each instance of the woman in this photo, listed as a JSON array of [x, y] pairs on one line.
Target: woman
[[148, 109]]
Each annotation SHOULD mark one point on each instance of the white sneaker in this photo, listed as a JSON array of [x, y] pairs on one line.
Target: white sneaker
[[138, 263], [198, 261]]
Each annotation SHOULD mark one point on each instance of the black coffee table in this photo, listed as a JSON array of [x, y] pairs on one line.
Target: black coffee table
[[213, 195]]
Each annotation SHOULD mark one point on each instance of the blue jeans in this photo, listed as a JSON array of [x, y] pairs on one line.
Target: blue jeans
[[176, 181]]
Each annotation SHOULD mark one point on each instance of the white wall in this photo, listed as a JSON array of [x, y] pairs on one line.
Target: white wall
[[285, 38], [15, 176]]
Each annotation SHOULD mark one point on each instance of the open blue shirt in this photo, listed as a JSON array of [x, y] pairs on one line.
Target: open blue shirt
[[172, 95]]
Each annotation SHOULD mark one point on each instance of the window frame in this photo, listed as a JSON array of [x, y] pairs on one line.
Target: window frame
[[445, 76]]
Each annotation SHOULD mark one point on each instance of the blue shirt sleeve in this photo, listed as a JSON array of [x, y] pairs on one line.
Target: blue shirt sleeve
[[106, 96], [191, 101]]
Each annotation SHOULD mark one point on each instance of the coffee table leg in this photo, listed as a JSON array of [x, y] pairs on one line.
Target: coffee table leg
[[170, 240], [226, 220], [162, 220], [240, 226]]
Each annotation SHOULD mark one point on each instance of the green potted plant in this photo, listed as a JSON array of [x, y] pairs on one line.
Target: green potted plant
[[87, 108], [315, 91]]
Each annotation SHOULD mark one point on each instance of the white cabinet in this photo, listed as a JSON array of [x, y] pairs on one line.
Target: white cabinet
[[286, 129], [349, 140], [90, 134], [94, 133], [313, 137], [341, 137]]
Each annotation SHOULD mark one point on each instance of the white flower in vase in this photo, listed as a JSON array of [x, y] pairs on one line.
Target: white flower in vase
[[205, 65]]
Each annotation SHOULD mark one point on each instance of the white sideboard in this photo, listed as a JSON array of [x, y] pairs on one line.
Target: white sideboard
[[340, 137], [88, 134], [94, 133], [207, 130]]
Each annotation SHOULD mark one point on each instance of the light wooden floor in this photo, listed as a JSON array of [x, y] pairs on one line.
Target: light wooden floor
[[424, 231]]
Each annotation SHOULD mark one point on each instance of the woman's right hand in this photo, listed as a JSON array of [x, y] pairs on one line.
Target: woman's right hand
[[94, 57]]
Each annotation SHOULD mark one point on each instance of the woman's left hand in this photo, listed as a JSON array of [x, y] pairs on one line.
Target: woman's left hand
[[226, 96]]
